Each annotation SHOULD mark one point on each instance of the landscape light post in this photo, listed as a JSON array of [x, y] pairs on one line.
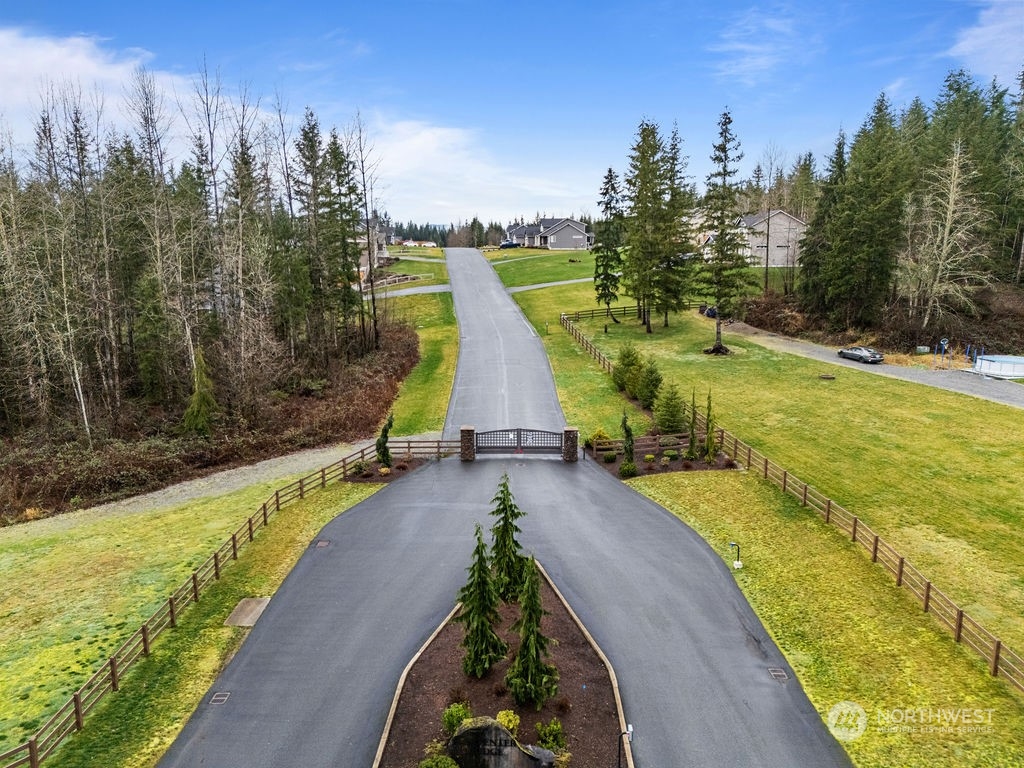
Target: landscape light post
[[737, 563], [628, 733]]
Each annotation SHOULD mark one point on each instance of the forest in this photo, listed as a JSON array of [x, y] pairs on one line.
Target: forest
[[161, 314]]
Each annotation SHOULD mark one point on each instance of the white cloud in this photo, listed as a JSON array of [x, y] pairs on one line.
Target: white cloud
[[440, 174], [757, 42], [29, 64], [993, 46]]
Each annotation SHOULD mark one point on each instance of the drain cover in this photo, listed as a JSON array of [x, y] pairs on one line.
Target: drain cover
[[321, 543], [220, 697], [778, 673]]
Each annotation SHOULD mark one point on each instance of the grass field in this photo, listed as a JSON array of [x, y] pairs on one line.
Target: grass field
[[935, 473], [108, 572]]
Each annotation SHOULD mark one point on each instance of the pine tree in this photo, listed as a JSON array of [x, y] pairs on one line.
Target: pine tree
[[646, 227], [479, 614], [506, 559], [608, 248], [530, 679], [673, 270], [816, 244], [725, 274], [669, 411]]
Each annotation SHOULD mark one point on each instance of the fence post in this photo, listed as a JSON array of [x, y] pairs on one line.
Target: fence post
[[171, 612], [302, 487], [79, 714], [277, 501], [195, 585], [145, 640], [927, 595], [899, 574], [785, 480], [874, 550], [828, 510], [749, 449], [323, 477], [803, 501], [216, 566], [33, 753], [959, 624], [996, 650], [765, 467], [113, 674], [234, 546], [265, 520], [855, 521], [250, 529]]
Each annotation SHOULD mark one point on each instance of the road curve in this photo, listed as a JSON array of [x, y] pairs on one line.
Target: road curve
[[313, 682]]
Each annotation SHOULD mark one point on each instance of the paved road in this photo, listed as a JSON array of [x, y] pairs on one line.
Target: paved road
[[313, 682]]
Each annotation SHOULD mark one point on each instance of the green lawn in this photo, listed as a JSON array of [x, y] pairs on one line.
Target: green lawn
[[76, 586], [544, 267], [433, 272], [423, 398]]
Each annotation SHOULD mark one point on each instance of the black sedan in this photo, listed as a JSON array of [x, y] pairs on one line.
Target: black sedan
[[862, 354]]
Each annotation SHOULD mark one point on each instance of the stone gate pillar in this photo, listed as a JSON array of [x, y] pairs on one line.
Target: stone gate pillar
[[467, 443], [570, 444]]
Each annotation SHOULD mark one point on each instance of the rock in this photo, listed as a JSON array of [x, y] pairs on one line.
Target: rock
[[485, 743]]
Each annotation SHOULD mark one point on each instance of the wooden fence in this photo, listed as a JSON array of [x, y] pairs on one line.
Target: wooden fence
[[1002, 662], [108, 678]]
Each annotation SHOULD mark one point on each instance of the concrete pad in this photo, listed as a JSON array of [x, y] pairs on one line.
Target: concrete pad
[[247, 611]]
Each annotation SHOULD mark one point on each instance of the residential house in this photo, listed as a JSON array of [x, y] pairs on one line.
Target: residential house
[[555, 234]]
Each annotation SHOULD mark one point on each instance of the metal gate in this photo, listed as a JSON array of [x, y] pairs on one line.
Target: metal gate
[[518, 440]]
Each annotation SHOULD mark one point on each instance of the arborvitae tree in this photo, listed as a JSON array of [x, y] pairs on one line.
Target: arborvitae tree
[[479, 614], [530, 679], [669, 410], [608, 246], [627, 440], [710, 442], [692, 449], [506, 559], [725, 274], [628, 359], [383, 451], [202, 405]]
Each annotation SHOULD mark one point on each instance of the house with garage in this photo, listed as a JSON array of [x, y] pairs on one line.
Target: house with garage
[[555, 234], [773, 235]]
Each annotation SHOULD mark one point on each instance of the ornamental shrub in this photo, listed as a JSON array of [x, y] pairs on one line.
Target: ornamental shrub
[[627, 360], [596, 436], [479, 598], [669, 411], [627, 470], [437, 761], [609, 457], [551, 736], [506, 559], [383, 452], [530, 679], [510, 720], [649, 458], [454, 716]]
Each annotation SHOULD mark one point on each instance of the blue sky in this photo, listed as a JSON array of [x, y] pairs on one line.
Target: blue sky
[[508, 109]]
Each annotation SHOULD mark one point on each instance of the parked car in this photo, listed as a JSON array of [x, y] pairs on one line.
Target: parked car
[[509, 244], [862, 354]]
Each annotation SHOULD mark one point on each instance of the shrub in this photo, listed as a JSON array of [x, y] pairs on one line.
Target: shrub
[[649, 458], [562, 705], [597, 436], [627, 360], [479, 598], [627, 439], [668, 441], [434, 747], [383, 471], [437, 761], [671, 454], [562, 759], [664, 461], [383, 451], [357, 467], [529, 678], [510, 720], [609, 457], [627, 470], [646, 383], [454, 715], [551, 736]]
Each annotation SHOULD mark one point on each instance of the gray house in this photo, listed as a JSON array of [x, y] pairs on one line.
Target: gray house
[[556, 234], [776, 232]]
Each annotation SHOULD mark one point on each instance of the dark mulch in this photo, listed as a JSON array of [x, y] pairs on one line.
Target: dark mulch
[[643, 468], [399, 468], [585, 703]]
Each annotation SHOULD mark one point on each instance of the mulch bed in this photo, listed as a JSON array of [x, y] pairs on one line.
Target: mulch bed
[[722, 461], [585, 703], [399, 467]]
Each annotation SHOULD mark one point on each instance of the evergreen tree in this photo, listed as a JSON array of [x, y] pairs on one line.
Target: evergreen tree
[[202, 405], [627, 440], [608, 248], [383, 451], [506, 558], [627, 360], [530, 679], [692, 450], [479, 614], [673, 270], [725, 274], [647, 228], [816, 244], [669, 410], [710, 450]]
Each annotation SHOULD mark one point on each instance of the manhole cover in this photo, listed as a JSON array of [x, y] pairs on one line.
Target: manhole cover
[[220, 697], [321, 543], [778, 673]]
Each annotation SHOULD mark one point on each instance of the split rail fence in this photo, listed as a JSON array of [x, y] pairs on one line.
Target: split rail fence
[[1002, 662], [108, 678]]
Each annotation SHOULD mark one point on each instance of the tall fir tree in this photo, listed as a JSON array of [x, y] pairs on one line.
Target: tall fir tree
[[674, 267], [530, 679], [816, 244], [479, 614], [725, 274], [608, 246], [646, 185], [506, 557]]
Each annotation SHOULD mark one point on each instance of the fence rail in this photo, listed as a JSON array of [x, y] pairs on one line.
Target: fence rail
[[1002, 662], [107, 679]]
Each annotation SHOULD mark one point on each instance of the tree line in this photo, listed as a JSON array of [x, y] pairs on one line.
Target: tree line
[[908, 221], [130, 280]]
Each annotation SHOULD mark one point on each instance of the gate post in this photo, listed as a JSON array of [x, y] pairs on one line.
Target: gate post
[[570, 444], [467, 443]]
